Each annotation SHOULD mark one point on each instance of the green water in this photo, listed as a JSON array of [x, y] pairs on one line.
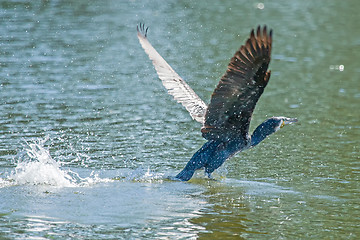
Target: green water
[[74, 72]]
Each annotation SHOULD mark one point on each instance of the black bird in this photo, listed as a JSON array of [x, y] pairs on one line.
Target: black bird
[[225, 121]]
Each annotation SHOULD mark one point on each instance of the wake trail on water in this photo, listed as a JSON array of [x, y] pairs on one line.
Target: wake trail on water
[[35, 166]]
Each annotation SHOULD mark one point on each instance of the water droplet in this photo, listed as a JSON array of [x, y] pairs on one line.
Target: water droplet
[[260, 6]]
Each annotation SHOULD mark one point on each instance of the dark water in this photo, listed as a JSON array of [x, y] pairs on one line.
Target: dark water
[[88, 133]]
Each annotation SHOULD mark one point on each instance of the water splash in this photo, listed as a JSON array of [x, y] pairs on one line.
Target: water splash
[[36, 167], [144, 175]]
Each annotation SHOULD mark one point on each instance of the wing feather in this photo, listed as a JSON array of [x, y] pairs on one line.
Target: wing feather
[[175, 85], [234, 99]]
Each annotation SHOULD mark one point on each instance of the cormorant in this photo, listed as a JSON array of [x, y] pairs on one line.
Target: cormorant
[[225, 121]]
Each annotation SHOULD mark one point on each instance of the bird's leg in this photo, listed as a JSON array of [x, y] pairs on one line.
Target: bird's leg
[[210, 177]]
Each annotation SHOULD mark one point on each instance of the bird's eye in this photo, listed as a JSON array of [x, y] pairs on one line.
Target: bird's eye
[[282, 124]]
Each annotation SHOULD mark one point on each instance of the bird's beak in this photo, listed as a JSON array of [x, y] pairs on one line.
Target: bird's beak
[[288, 121]]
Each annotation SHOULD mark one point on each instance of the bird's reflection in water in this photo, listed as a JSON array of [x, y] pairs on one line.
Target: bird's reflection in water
[[225, 216]]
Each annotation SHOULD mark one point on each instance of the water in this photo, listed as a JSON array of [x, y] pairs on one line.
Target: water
[[89, 135]]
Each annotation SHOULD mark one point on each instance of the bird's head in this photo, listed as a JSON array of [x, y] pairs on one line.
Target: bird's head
[[268, 127], [280, 122]]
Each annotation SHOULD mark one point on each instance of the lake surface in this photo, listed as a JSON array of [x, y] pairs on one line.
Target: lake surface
[[88, 134]]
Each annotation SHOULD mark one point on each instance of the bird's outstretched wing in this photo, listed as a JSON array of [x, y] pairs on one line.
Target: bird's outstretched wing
[[233, 101], [175, 85]]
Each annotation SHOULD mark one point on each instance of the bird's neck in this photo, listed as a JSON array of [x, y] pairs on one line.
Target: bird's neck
[[260, 133]]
